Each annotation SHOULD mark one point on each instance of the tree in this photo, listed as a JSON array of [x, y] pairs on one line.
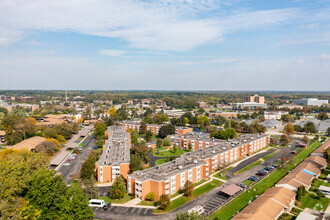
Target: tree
[[118, 188], [297, 128], [16, 171], [289, 129], [309, 127], [228, 133], [164, 201], [166, 130], [135, 164], [284, 139], [99, 129], [189, 216], [151, 196], [148, 136], [174, 148], [49, 193], [188, 188], [88, 167], [203, 121], [159, 143], [135, 137], [166, 142], [305, 139], [89, 188], [143, 128], [322, 116]]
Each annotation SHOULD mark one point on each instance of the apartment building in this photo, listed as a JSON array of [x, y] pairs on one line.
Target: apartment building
[[256, 98], [115, 158], [199, 141], [195, 166], [153, 128]]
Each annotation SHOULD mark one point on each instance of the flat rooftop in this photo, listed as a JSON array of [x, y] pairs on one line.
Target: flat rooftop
[[116, 150]]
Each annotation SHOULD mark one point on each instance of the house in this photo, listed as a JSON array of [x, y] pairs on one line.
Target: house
[[268, 206]]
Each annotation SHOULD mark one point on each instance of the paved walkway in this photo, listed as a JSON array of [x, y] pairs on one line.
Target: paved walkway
[[133, 202]]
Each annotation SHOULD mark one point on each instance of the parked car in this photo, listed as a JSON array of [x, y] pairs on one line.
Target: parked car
[[242, 185], [253, 178], [66, 164], [77, 141], [95, 147], [263, 170], [270, 167], [261, 173], [274, 165], [106, 206]]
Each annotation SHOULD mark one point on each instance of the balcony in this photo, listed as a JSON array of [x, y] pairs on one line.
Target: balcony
[[138, 187], [167, 192], [167, 186]]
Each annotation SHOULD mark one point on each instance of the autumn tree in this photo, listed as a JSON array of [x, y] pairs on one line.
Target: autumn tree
[[148, 136], [164, 201], [289, 129], [188, 188]]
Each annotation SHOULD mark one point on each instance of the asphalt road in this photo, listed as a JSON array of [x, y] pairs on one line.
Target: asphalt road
[[152, 159], [68, 172]]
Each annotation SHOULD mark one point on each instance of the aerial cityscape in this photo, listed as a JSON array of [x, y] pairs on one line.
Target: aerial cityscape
[[171, 110]]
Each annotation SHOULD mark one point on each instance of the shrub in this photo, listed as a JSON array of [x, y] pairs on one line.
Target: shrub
[[151, 196]]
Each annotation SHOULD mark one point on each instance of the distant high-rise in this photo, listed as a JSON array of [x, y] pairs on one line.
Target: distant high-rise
[[255, 98]]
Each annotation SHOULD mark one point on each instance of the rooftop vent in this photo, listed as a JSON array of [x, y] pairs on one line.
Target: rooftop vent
[[195, 161], [180, 167], [213, 151]]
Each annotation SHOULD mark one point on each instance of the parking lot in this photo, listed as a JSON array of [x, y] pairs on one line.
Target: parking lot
[[121, 211]]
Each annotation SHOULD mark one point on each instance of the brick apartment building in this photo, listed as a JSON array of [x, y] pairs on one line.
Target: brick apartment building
[[115, 158], [195, 166], [153, 128]]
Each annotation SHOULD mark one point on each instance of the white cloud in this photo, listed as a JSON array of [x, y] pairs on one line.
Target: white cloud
[[325, 56], [47, 52], [114, 53], [165, 25]]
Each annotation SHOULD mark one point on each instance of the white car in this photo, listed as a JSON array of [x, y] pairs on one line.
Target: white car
[[66, 164], [198, 209]]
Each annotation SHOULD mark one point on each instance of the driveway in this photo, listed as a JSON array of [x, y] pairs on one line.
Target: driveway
[[152, 159]]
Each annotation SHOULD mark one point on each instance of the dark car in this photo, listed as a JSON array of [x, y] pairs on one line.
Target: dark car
[[267, 169], [253, 178], [241, 185], [95, 147], [106, 206], [261, 173]]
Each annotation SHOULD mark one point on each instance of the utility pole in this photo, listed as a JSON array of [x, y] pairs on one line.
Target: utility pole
[[66, 95]]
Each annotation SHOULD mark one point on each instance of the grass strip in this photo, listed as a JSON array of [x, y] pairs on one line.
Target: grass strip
[[248, 167]]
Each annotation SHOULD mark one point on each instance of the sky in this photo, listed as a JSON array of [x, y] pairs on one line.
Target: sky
[[165, 44]]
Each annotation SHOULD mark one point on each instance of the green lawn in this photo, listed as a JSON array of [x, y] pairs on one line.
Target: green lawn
[[248, 167], [220, 175], [248, 182], [147, 203], [319, 182], [237, 204], [180, 191], [312, 201], [183, 199], [168, 153], [83, 144], [123, 200], [161, 161], [270, 155]]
